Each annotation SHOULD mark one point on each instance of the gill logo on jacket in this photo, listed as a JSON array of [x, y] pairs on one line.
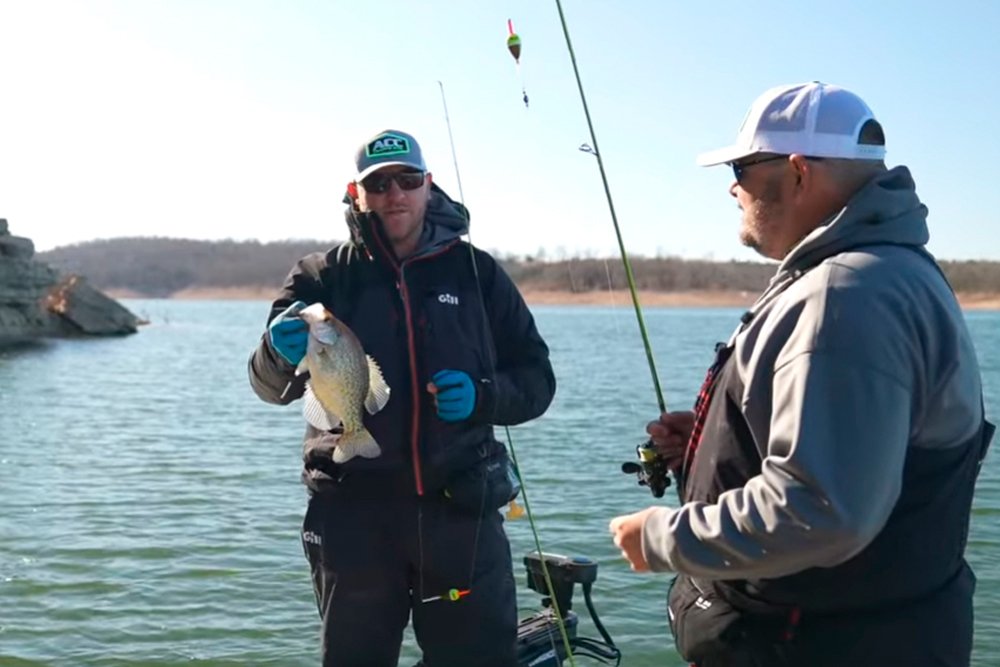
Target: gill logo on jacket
[[450, 299]]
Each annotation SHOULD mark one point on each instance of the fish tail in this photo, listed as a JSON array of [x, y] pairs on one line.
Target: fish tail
[[356, 443]]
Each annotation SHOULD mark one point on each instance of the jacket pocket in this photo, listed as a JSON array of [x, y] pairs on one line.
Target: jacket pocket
[[486, 486], [708, 628], [702, 623]]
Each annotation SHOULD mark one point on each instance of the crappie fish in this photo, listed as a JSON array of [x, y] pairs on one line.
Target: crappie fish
[[343, 381]]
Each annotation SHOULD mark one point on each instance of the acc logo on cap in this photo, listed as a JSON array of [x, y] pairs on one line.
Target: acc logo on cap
[[388, 144]]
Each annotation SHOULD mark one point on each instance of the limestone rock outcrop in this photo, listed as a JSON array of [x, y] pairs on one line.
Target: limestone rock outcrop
[[37, 302]]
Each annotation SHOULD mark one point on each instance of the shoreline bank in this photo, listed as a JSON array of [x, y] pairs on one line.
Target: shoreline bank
[[605, 298]]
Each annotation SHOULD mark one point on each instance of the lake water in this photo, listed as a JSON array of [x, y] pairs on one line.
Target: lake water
[[150, 504]]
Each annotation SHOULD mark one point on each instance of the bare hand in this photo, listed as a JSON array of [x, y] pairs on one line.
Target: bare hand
[[627, 534], [670, 435]]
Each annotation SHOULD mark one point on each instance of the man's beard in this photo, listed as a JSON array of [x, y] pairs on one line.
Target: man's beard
[[766, 210]]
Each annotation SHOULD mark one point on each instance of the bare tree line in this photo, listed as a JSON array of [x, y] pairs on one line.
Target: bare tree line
[[159, 267]]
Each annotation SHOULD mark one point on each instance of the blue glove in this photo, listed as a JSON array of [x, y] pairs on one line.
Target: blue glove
[[289, 334], [456, 395]]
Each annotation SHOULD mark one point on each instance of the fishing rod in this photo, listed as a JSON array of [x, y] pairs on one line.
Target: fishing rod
[[532, 633], [451, 140], [651, 469], [514, 511]]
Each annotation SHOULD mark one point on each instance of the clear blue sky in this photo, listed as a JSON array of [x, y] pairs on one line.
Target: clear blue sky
[[237, 119]]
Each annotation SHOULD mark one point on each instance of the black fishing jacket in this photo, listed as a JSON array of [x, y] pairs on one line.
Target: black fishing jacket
[[448, 306]]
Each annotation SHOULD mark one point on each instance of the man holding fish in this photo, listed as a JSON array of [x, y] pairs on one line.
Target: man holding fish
[[407, 345]]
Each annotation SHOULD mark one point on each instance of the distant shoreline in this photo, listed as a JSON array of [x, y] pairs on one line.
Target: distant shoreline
[[651, 299]]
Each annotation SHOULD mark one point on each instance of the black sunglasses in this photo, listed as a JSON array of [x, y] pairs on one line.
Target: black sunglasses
[[740, 167], [379, 183]]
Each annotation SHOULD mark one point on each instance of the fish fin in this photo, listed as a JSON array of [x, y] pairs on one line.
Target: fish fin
[[315, 413], [358, 443], [378, 390]]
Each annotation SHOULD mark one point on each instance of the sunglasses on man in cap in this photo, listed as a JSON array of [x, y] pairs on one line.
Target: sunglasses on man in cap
[[380, 182]]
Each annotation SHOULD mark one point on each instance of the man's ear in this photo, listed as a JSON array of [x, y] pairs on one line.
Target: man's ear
[[430, 178], [805, 176], [352, 190]]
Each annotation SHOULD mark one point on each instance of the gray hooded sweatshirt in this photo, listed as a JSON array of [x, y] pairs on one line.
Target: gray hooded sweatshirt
[[845, 368]]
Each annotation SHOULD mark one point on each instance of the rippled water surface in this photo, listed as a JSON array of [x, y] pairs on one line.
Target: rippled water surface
[[150, 503]]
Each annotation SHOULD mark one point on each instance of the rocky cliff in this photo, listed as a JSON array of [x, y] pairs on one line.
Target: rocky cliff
[[37, 302]]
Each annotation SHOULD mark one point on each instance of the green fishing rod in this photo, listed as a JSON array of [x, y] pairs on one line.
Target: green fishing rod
[[651, 469]]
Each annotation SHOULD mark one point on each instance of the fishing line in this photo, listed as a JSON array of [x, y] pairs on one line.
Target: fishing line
[[635, 412], [510, 441]]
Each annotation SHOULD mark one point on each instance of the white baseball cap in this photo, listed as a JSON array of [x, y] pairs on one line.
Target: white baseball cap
[[812, 119]]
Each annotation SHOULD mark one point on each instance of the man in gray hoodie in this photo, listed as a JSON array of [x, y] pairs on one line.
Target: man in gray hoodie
[[829, 465]]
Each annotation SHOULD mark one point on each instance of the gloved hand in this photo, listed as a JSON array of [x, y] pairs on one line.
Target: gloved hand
[[454, 395], [289, 334]]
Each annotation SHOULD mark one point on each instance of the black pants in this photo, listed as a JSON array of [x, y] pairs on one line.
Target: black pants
[[375, 560]]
